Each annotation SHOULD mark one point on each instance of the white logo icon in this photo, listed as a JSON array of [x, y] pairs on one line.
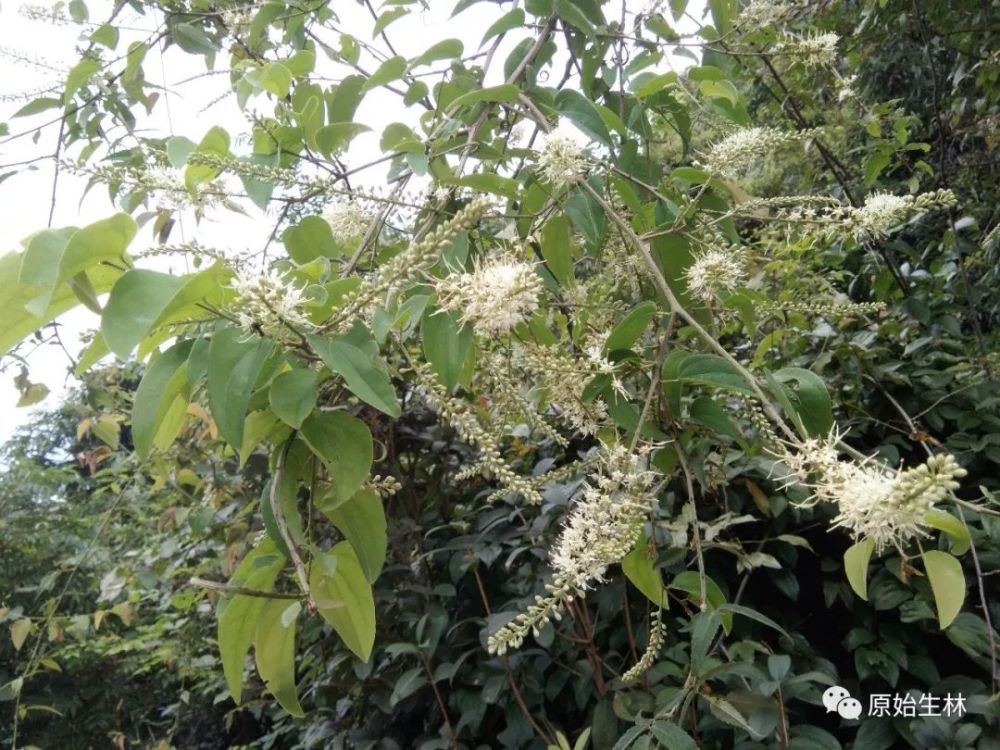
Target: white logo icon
[[839, 699]]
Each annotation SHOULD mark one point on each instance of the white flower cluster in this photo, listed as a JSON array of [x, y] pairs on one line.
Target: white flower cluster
[[739, 150], [875, 219], [348, 220], [818, 49], [266, 301], [497, 296], [564, 377], [561, 159], [714, 270], [874, 501], [601, 530], [237, 19], [759, 14]]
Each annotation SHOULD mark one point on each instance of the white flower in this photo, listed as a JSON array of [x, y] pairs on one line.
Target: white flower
[[267, 301], [561, 159], [819, 49], [495, 298], [714, 270], [880, 213], [874, 501], [600, 531], [348, 220], [237, 20], [742, 148]]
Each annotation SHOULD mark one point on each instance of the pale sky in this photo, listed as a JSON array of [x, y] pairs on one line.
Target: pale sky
[[35, 55]]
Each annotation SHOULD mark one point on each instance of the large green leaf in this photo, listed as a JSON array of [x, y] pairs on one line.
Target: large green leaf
[[293, 395], [957, 531], [446, 345], [947, 582], [234, 362], [238, 613], [164, 380], [639, 569], [354, 356], [810, 399], [689, 581], [362, 520], [344, 597], [345, 445], [142, 301], [103, 240], [18, 321], [856, 566], [135, 303], [631, 327], [711, 370], [583, 113], [311, 238], [274, 647]]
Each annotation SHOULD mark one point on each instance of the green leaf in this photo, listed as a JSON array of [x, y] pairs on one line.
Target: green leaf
[[192, 38], [672, 736], [583, 113], [706, 411], [311, 238], [337, 136], [79, 76], [361, 519], [38, 105], [557, 249], [345, 445], [19, 315], [272, 77], [233, 366], [391, 70], [486, 182], [505, 92], [511, 20], [386, 18], [293, 395], [631, 327], [103, 240], [712, 370], [586, 216], [135, 303], [344, 597], [354, 356], [811, 399], [164, 381], [345, 99], [948, 584], [856, 566], [444, 50], [689, 582], [703, 629], [215, 143], [639, 569], [446, 345], [958, 533], [569, 12], [274, 647], [238, 613]]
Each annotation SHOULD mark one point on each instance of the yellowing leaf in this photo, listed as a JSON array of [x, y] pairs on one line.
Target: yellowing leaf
[[344, 597], [19, 630], [948, 584], [274, 647], [856, 566]]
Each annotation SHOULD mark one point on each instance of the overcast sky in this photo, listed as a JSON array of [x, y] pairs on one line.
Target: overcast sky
[[35, 54]]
